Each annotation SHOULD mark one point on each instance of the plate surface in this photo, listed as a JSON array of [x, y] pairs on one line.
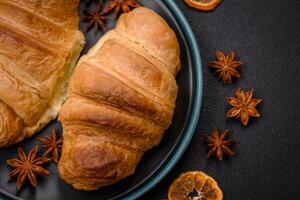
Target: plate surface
[[157, 162]]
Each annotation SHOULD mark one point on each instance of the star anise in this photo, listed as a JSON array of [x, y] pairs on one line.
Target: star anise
[[218, 144], [226, 66], [27, 167], [96, 19], [244, 106], [121, 5], [52, 145]]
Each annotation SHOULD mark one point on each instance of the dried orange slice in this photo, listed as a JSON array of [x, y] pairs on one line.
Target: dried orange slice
[[195, 185], [205, 5]]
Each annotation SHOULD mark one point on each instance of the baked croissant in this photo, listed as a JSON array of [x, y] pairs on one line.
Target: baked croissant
[[121, 100], [39, 46]]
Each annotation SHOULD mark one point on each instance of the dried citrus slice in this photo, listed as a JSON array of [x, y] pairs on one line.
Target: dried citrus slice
[[205, 5], [195, 185]]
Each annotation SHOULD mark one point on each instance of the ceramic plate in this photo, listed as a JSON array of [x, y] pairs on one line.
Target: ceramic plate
[[157, 162]]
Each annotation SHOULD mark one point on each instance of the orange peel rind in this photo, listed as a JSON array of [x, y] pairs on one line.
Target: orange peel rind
[[204, 5], [195, 185]]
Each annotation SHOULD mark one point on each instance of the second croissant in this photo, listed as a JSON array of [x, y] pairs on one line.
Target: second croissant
[[121, 100]]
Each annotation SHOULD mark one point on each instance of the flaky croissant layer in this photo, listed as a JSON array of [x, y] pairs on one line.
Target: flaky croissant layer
[[39, 46], [121, 100]]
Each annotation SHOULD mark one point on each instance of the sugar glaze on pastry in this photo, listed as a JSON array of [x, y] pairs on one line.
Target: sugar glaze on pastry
[[121, 100], [39, 46]]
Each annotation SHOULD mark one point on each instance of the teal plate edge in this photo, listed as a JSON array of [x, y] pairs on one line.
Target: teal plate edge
[[198, 84], [196, 62]]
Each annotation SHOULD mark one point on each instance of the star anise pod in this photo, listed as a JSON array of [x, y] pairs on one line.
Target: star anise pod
[[218, 144], [27, 167], [244, 106], [52, 145], [96, 19], [226, 66], [121, 5]]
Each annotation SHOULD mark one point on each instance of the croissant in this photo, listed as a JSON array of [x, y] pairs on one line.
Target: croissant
[[121, 100], [39, 46]]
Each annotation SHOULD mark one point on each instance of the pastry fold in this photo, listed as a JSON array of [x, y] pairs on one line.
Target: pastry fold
[[39, 47], [121, 100]]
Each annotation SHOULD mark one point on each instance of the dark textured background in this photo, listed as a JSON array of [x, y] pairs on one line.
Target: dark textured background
[[265, 34]]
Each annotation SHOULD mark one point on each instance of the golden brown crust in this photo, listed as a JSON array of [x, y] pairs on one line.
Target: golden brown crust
[[121, 99], [154, 34], [117, 90], [127, 60], [79, 110], [37, 55], [60, 12], [21, 94], [11, 125], [93, 163]]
